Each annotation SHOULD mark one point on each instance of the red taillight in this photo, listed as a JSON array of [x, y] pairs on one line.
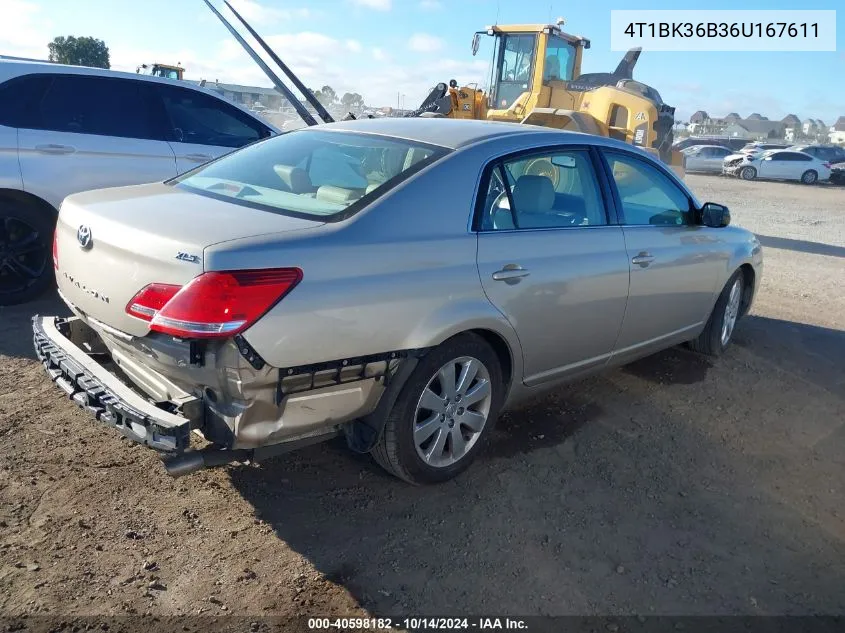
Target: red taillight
[[56, 249], [150, 300], [215, 304]]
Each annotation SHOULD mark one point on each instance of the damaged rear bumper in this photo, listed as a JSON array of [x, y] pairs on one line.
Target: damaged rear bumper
[[159, 398], [93, 388]]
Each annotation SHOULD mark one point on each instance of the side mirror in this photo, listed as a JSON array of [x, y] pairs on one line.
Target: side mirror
[[475, 39], [715, 215]]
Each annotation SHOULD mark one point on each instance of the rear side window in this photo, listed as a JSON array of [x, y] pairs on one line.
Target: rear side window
[[194, 117], [95, 105], [647, 196], [18, 98], [790, 157]]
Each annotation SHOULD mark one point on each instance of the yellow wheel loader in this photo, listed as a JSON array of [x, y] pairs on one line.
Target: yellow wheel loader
[[536, 79]]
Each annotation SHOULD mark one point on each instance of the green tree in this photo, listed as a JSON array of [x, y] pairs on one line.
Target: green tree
[[79, 51], [326, 95], [352, 101]]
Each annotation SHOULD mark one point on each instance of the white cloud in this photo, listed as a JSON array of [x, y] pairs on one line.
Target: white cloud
[[378, 5], [430, 5], [317, 58], [255, 12], [24, 29], [425, 43]]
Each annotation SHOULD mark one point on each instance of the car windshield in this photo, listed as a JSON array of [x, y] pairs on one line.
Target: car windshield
[[315, 174]]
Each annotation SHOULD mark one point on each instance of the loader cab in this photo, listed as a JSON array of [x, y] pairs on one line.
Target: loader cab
[[527, 59], [167, 71], [162, 70]]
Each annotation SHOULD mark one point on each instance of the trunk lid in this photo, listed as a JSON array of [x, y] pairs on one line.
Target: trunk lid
[[113, 242]]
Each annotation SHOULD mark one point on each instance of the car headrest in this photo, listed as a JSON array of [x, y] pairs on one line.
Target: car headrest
[[337, 195], [533, 194], [295, 178]]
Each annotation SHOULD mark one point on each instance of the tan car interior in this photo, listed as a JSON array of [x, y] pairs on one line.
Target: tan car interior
[[378, 167]]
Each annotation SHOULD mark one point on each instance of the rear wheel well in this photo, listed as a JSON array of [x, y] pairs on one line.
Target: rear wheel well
[[503, 353], [749, 278], [28, 200]]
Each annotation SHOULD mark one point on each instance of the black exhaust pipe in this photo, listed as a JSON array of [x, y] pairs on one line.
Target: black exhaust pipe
[[192, 461]]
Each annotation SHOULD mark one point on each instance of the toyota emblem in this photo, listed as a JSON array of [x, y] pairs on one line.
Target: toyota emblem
[[83, 236]]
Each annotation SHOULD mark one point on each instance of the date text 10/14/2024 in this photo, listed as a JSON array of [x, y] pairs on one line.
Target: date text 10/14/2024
[[418, 624]]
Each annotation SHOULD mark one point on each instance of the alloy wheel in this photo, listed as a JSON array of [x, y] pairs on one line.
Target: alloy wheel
[[731, 311], [452, 411], [23, 255]]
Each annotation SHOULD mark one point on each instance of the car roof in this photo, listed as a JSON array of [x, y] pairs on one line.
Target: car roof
[[458, 133], [15, 67]]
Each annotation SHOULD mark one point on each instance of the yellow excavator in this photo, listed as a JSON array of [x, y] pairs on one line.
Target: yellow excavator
[[536, 79]]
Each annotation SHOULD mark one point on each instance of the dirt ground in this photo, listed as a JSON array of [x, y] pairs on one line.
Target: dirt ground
[[676, 485]]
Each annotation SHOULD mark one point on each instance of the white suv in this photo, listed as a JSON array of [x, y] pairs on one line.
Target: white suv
[[65, 129]]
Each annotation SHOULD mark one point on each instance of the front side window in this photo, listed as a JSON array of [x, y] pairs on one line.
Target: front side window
[[103, 106], [648, 197], [555, 190], [314, 174], [515, 67], [194, 117], [560, 60]]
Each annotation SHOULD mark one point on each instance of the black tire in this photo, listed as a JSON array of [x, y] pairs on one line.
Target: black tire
[[748, 173], [809, 177], [710, 342], [396, 451], [15, 218]]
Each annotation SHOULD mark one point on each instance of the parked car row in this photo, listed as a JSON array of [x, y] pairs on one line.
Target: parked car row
[[65, 129], [803, 163]]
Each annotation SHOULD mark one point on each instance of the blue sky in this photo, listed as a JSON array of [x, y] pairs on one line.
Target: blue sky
[[395, 50]]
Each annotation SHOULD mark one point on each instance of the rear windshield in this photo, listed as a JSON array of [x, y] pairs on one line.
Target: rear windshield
[[315, 174]]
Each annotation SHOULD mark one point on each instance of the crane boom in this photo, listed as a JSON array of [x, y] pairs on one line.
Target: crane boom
[[315, 103], [301, 110]]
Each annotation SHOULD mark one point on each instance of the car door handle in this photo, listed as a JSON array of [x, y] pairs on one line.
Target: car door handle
[[198, 158], [53, 148], [510, 272], [643, 259]]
